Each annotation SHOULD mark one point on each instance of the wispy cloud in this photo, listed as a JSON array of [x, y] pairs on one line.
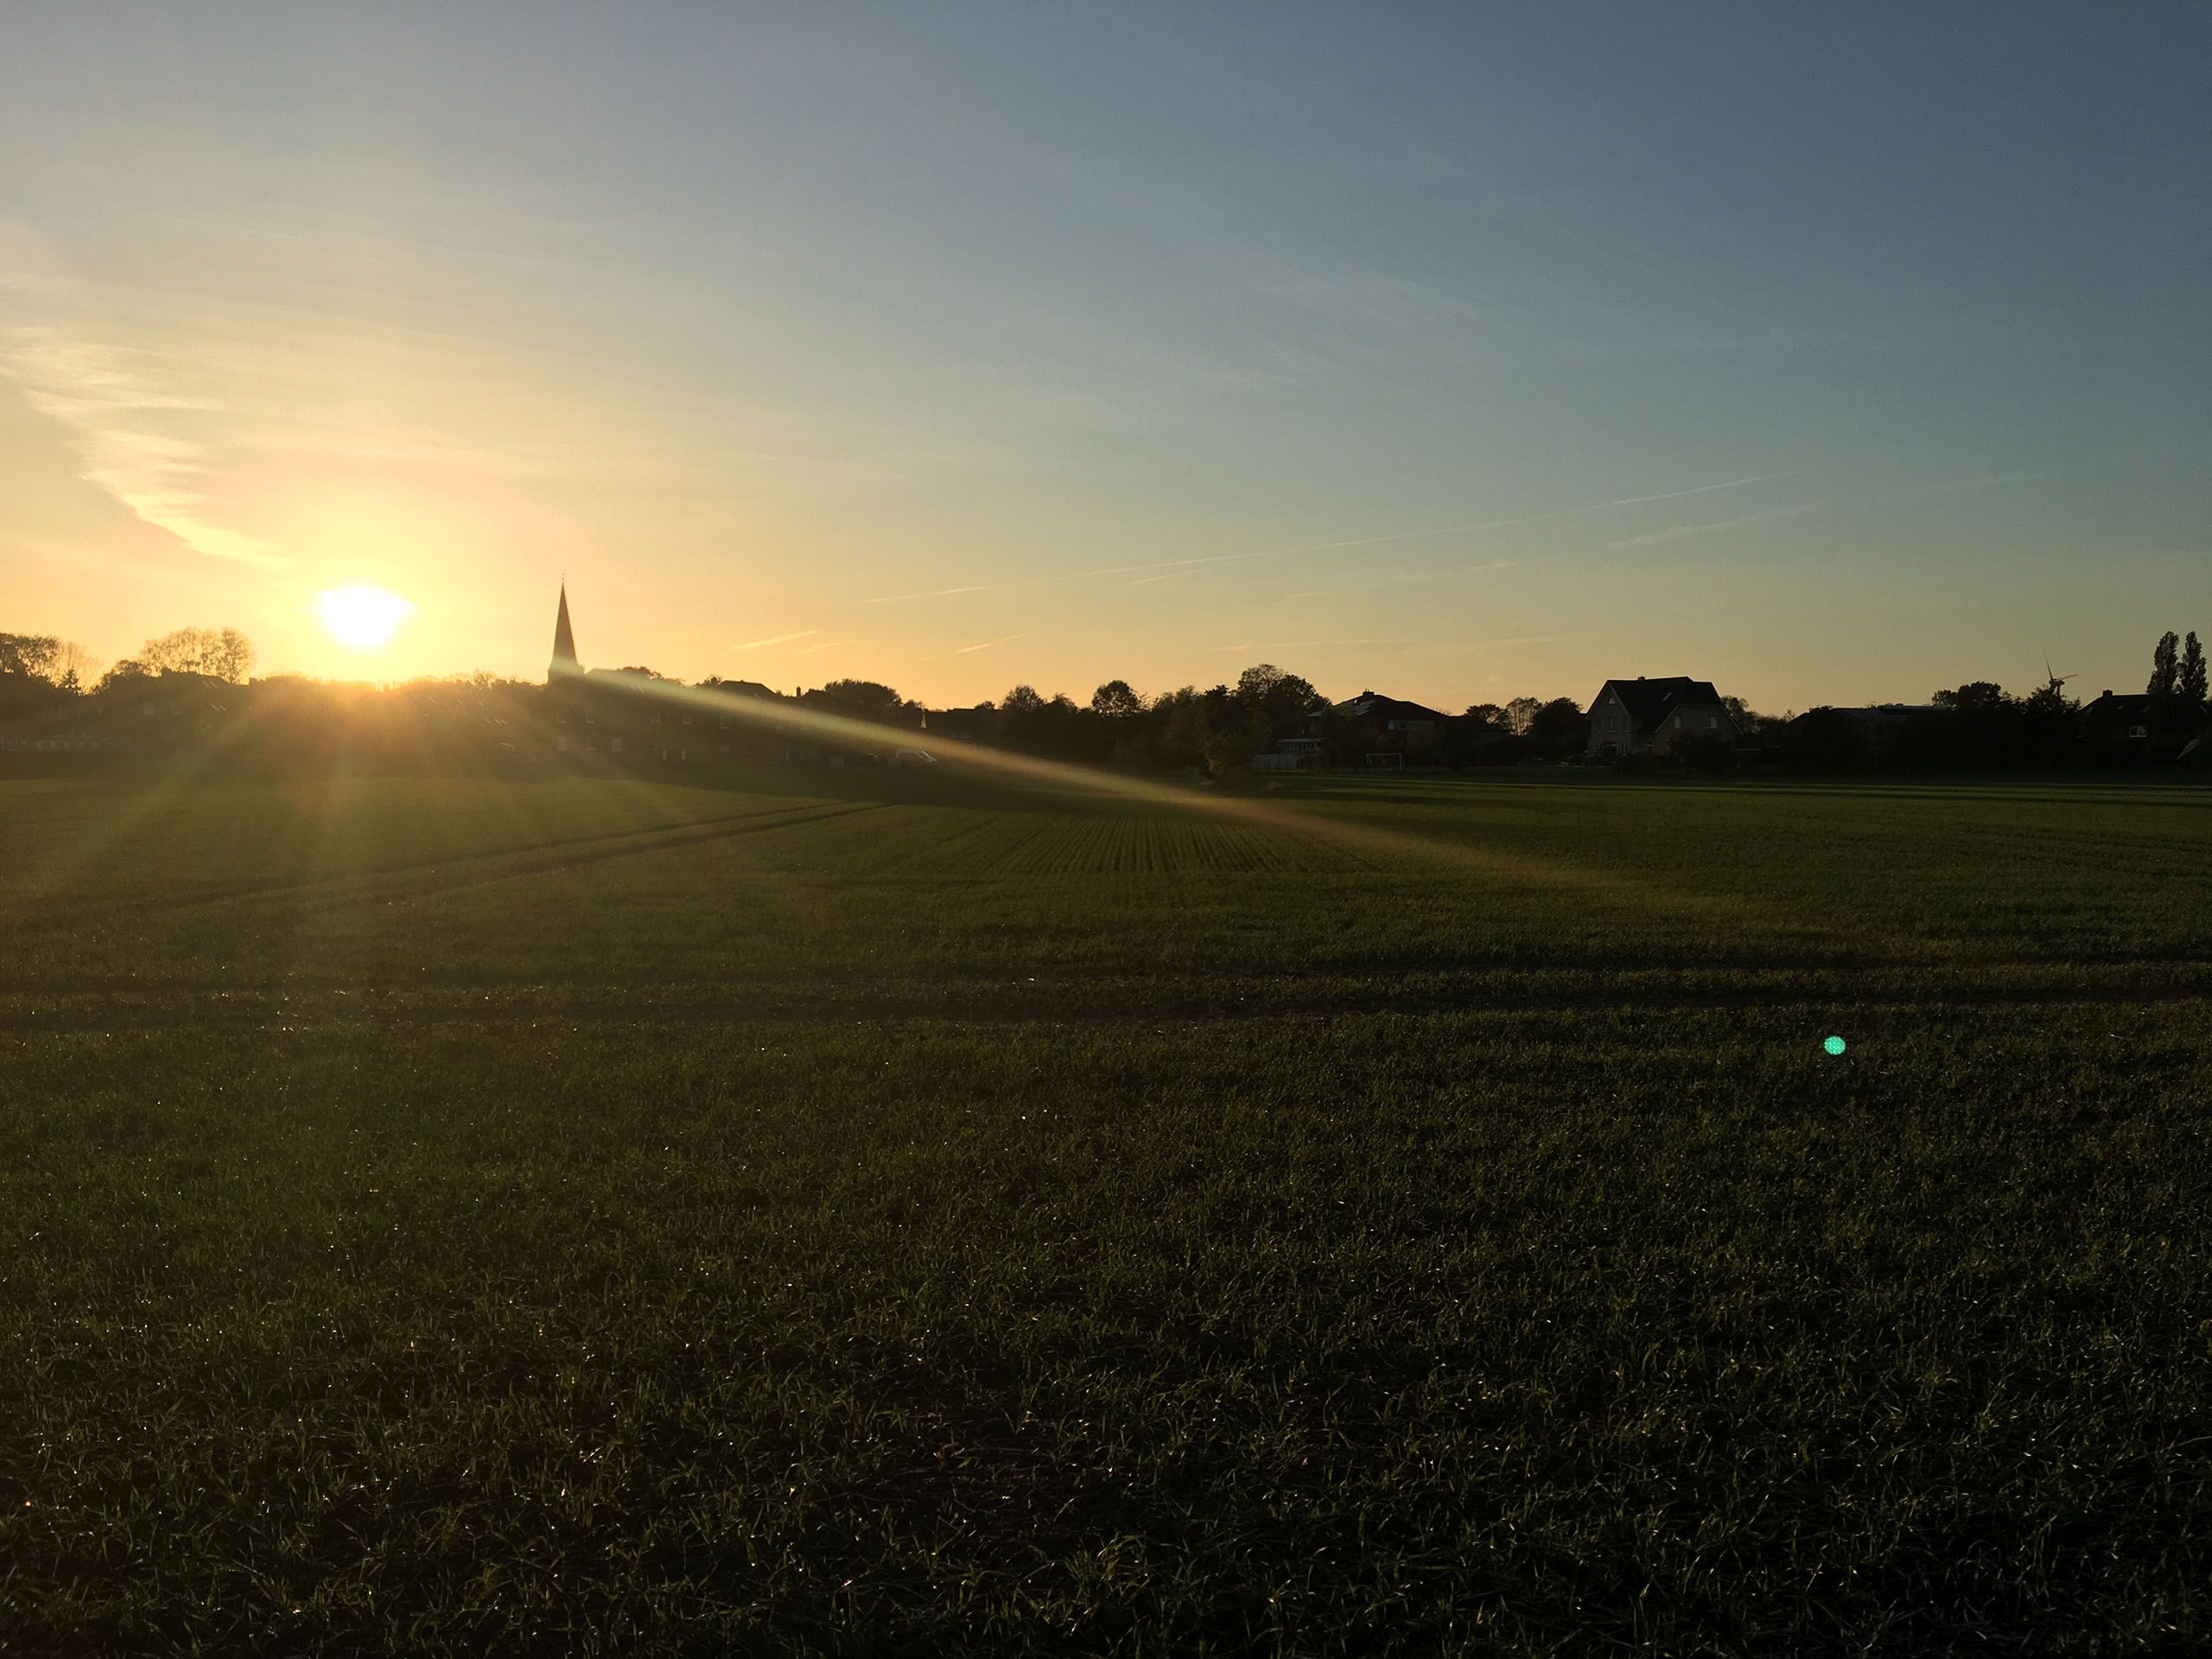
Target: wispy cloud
[[1507, 642], [1834, 504], [1169, 569], [825, 645], [1450, 572], [970, 651], [1406, 645], [1684, 532], [1676, 495], [932, 593], [1293, 644], [135, 437], [778, 639], [1556, 513]]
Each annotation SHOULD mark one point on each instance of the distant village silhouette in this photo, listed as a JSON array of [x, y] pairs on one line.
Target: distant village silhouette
[[190, 689]]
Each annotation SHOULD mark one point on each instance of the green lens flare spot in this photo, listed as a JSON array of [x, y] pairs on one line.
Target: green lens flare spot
[[1834, 1045]]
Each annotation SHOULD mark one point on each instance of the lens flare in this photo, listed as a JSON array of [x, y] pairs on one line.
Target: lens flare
[[363, 617], [1834, 1045]]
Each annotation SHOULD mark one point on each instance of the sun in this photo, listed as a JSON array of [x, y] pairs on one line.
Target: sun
[[363, 617]]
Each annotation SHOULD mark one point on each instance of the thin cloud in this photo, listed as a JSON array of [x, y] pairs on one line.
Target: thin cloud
[[933, 592], [1562, 512], [1682, 532], [1838, 503], [1171, 569], [778, 639], [970, 651], [1191, 567], [130, 432], [1507, 642], [1178, 564], [1299, 644], [1701, 489], [1407, 646], [1408, 577]]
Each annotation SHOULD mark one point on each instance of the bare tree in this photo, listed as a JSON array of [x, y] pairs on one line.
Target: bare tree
[[225, 653], [74, 666]]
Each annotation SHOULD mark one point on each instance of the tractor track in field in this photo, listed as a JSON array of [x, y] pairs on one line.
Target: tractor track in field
[[481, 868], [987, 1002]]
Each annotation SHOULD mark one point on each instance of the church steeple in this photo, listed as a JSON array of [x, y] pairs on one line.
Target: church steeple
[[564, 643]]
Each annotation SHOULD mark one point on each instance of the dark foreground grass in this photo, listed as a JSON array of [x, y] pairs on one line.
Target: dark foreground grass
[[1543, 1315]]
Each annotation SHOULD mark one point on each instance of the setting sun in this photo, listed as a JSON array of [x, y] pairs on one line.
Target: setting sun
[[363, 617]]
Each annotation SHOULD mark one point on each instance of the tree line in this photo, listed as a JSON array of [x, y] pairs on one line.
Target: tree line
[[1220, 728], [1215, 730]]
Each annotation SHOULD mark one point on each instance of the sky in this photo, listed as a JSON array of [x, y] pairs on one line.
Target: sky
[[1834, 354]]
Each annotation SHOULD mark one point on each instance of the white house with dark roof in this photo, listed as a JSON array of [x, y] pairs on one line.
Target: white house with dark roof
[[1645, 716]]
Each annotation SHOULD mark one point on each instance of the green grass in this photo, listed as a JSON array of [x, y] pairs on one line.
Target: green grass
[[882, 1214]]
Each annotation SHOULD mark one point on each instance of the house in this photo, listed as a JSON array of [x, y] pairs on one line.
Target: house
[[1392, 713], [976, 725], [1646, 716], [2139, 726]]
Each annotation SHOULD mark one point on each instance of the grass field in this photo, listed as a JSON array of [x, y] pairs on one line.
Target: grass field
[[883, 1213]]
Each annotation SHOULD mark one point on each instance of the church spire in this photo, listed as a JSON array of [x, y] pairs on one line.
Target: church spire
[[564, 643]]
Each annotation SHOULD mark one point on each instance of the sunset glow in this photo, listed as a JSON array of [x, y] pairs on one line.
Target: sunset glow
[[1508, 397], [363, 617]]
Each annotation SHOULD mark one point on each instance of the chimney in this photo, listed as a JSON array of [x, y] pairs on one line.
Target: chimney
[[2108, 690]]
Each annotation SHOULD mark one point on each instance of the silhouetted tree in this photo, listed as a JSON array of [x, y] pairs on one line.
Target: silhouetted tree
[[2051, 733], [220, 653], [34, 678], [869, 700], [1558, 728], [1116, 701], [1823, 739], [1282, 704], [76, 665], [1479, 738], [2190, 677], [1520, 712], [1753, 728], [1182, 729], [1972, 695], [2165, 672], [33, 656]]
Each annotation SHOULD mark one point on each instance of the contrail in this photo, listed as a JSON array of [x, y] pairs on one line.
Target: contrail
[[776, 639], [934, 592]]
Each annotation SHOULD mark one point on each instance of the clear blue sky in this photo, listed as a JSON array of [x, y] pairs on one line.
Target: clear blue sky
[[1459, 352]]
